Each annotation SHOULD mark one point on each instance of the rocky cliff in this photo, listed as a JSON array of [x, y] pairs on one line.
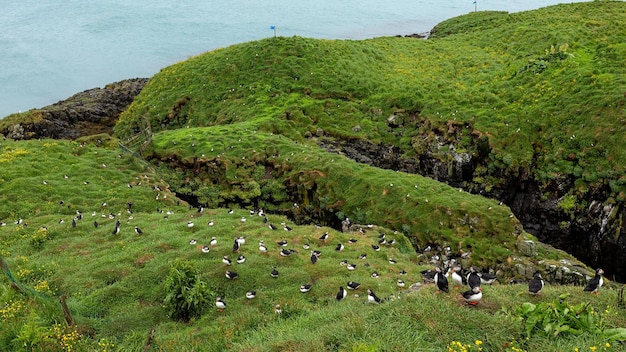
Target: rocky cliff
[[93, 111]]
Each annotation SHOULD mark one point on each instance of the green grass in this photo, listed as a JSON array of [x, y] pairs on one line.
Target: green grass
[[231, 128], [115, 284], [550, 102]]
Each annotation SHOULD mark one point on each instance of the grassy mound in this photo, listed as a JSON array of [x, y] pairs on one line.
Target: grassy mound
[[550, 102]]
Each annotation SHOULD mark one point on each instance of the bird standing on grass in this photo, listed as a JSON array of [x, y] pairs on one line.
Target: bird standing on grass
[[474, 295], [595, 283], [441, 281], [535, 285], [221, 305], [341, 294], [372, 298], [138, 230], [473, 280]]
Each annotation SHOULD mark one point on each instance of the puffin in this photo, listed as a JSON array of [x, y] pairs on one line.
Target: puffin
[[487, 278], [372, 298], [351, 266], [428, 275], [473, 280], [400, 283], [213, 242], [595, 283], [241, 259], [324, 237], [231, 275], [138, 230], [272, 226], [277, 309], [305, 288], [285, 252], [274, 273], [374, 275], [262, 247], [441, 281], [226, 260], [116, 230], [282, 243], [341, 294], [536, 284], [473, 295], [221, 305], [339, 247], [376, 248], [190, 224], [457, 279], [250, 294], [236, 246], [205, 249], [192, 241], [352, 285], [314, 257]]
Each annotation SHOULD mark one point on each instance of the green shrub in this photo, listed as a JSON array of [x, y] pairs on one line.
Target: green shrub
[[186, 295]]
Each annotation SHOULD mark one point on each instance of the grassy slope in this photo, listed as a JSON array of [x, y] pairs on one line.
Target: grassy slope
[[108, 275], [552, 99], [114, 284]]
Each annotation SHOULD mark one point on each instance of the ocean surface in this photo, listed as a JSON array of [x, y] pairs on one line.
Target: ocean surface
[[51, 49]]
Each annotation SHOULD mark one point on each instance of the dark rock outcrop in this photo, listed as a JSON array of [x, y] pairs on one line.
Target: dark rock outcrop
[[592, 231], [93, 111]]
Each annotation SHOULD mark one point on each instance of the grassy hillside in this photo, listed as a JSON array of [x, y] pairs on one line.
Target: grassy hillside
[[116, 285], [549, 102], [241, 128]]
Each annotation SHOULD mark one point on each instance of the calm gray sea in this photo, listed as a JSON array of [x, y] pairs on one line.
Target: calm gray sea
[[51, 49]]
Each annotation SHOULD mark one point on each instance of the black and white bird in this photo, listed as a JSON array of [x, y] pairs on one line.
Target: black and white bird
[[314, 257], [456, 278], [274, 273], [305, 288], [400, 283], [241, 259], [220, 304], [324, 237], [487, 278], [190, 225], [192, 241], [250, 294], [536, 284], [138, 230], [213, 242], [226, 260], [374, 275], [236, 246], [341, 294], [285, 252], [351, 266], [474, 295], [116, 230], [372, 298], [282, 243], [473, 280], [339, 247], [205, 249], [95, 224], [262, 247], [352, 285], [231, 275], [595, 283], [441, 281], [74, 222], [271, 226], [376, 247]]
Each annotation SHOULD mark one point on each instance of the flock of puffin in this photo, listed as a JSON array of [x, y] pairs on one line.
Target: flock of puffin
[[440, 277]]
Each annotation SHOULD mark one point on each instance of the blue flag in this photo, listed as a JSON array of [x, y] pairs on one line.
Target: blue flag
[[474, 3], [272, 27]]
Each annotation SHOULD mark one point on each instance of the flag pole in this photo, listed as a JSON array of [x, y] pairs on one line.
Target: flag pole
[[273, 27], [475, 6]]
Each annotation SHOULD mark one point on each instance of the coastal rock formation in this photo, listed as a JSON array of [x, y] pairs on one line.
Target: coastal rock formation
[[93, 111]]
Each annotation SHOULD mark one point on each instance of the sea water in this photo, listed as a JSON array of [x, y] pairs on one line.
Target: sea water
[[51, 49]]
